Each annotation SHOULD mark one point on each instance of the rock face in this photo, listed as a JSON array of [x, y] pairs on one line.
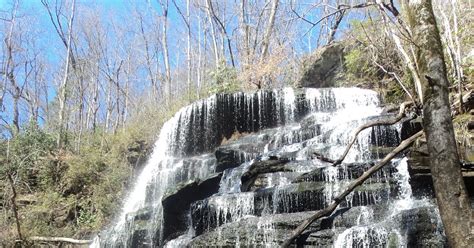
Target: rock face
[[176, 204], [324, 67], [224, 181], [250, 178], [420, 230]]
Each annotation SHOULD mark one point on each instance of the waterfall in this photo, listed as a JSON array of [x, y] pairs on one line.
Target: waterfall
[[286, 126]]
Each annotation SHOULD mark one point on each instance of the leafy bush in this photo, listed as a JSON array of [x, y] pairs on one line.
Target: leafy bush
[[358, 64], [224, 80], [27, 153]]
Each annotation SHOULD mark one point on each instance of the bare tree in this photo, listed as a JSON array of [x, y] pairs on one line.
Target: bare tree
[[244, 29], [213, 32], [164, 41], [451, 37], [64, 84], [269, 29], [223, 30], [8, 71]]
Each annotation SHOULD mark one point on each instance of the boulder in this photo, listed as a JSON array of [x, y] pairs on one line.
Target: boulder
[[324, 67]]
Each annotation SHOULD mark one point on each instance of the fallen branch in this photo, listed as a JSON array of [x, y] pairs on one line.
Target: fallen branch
[[323, 158], [392, 121], [329, 209], [61, 239]]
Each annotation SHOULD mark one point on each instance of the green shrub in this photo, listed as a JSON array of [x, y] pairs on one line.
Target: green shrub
[[224, 80]]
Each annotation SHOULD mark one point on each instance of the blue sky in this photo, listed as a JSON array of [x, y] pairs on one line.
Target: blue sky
[[122, 11]]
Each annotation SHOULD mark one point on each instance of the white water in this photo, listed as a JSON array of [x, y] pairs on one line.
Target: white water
[[383, 233], [338, 111]]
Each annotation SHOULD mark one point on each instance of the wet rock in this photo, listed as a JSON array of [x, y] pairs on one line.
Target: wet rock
[[208, 125], [177, 203], [384, 136], [143, 214], [420, 174], [138, 153], [323, 238], [227, 158], [139, 236], [261, 167], [346, 172], [210, 213], [470, 125], [422, 227], [190, 169], [252, 231], [309, 196], [409, 128]]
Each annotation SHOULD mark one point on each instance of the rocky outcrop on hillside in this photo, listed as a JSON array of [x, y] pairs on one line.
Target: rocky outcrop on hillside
[[324, 67]]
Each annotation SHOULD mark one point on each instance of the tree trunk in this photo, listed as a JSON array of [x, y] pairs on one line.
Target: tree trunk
[[16, 111], [8, 72], [448, 182], [335, 26], [62, 88], [164, 40], [213, 32], [14, 206], [188, 50], [199, 63], [244, 30], [224, 34], [268, 31]]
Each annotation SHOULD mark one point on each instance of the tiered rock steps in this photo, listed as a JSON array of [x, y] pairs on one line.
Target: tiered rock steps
[[417, 224], [307, 191]]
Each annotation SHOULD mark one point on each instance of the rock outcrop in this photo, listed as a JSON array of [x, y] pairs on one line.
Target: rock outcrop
[[177, 203], [323, 68]]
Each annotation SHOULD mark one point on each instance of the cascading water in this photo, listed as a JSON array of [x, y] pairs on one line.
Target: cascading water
[[265, 176]]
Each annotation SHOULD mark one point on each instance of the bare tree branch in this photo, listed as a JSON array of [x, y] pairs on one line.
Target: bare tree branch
[[391, 121], [359, 181]]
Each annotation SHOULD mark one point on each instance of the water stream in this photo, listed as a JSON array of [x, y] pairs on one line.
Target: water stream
[[286, 123]]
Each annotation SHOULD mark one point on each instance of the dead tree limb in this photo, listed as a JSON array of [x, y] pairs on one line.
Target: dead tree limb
[[340, 8], [323, 158], [60, 239], [335, 26], [390, 121], [359, 181]]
